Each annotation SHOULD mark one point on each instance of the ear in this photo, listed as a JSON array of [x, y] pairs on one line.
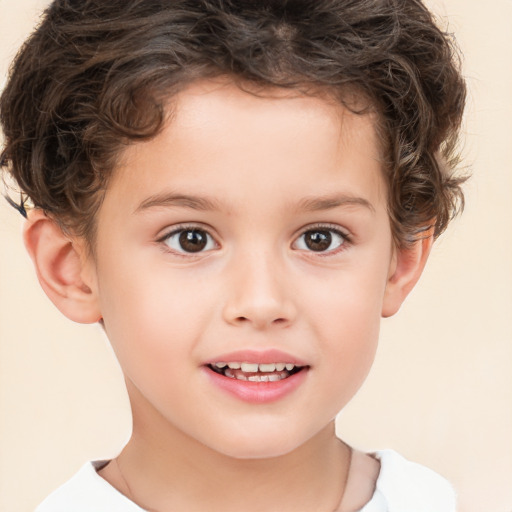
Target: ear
[[60, 266], [405, 270]]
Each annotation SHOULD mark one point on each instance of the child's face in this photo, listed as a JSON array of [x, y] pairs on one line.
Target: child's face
[[289, 263]]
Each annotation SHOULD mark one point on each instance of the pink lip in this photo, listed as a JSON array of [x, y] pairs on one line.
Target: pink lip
[[255, 356], [257, 392]]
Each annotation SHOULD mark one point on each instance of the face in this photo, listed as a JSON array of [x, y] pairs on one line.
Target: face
[[241, 263]]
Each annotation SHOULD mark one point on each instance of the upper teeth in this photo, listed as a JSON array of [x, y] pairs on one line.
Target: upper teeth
[[255, 367]]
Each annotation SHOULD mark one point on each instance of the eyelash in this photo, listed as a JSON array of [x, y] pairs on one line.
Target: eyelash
[[346, 239], [182, 228]]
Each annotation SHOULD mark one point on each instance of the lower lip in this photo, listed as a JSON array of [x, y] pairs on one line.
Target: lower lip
[[258, 392]]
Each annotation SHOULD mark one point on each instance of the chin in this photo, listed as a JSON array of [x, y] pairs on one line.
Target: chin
[[257, 453], [260, 445]]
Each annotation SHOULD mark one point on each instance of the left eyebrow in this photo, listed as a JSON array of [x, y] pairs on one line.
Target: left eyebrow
[[330, 202], [167, 200]]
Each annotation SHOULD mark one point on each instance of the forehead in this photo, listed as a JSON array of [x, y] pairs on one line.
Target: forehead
[[261, 141]]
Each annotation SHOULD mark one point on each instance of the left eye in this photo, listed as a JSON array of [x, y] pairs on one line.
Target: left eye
[[190, 240], [320, 240]]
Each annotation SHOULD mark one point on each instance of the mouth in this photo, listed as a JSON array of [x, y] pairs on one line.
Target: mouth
[[256, 372]]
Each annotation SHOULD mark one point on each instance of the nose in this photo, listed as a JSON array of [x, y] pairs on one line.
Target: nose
[[259, 294]]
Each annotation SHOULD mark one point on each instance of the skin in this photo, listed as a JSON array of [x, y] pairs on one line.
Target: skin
[[267, 169]]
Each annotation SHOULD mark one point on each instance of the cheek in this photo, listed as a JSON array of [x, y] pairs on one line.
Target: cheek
[[345, 314], [152, 342], [148, 314], [349, 303], [350, 334]]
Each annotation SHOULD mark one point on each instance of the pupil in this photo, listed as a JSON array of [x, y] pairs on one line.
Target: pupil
[[193, 240], [318, 240]]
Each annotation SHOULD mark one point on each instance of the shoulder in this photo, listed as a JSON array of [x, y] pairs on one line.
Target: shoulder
[[86, 491], [404, 486]]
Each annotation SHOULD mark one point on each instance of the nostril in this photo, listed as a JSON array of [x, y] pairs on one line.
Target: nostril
[[258, 313], [278, 321]]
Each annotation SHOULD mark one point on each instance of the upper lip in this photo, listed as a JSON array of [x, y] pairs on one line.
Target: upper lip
[[257, 356]]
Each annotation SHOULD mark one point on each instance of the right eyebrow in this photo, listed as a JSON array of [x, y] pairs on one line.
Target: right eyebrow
[[166, 200]]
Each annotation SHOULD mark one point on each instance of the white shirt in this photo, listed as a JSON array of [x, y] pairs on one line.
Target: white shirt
[[402, 486]]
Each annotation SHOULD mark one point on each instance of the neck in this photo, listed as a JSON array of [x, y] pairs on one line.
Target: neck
[[163, 469]]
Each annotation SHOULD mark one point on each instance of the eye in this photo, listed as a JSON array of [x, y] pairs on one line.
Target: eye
[[189, 240], [321, 240]]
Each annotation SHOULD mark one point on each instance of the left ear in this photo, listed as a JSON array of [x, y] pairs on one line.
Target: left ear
[[406, 268]]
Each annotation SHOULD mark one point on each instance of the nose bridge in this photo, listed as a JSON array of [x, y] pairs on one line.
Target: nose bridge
[[258, 291]]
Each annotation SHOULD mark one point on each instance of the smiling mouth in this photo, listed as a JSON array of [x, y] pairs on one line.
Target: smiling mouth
[[256, 372]]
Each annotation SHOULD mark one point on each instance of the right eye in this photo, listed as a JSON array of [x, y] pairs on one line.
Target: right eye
[[189, 240]]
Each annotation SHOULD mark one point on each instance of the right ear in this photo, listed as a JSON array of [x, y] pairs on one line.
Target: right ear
[[59, 261]]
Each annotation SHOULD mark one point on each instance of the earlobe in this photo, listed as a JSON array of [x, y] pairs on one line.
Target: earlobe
[[406, 268], [59, 267]]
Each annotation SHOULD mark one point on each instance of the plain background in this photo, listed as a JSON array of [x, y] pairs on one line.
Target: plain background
[[441, 388]]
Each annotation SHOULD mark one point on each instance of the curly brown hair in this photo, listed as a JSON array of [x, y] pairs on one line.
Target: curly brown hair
[[96, 75]]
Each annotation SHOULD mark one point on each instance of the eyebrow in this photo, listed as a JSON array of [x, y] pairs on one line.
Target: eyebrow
[[181, 200], [312, 204], [315, 204]]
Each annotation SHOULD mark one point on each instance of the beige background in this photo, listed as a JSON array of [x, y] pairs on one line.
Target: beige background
[[441, 388]]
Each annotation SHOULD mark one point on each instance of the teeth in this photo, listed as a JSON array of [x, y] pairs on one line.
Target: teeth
[[266, 378], [249, 367], [255, 367], [273, 377], [254, 372]]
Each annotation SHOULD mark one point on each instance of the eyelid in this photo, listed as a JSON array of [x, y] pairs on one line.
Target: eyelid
[[177, 228], [343, 232], [325, 226], [182, 226]]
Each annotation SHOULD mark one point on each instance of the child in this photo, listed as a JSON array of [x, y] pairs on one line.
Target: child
[[237, 191]]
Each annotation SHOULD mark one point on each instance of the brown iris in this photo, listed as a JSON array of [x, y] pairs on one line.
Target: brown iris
[[193, 240], [318, 240]]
